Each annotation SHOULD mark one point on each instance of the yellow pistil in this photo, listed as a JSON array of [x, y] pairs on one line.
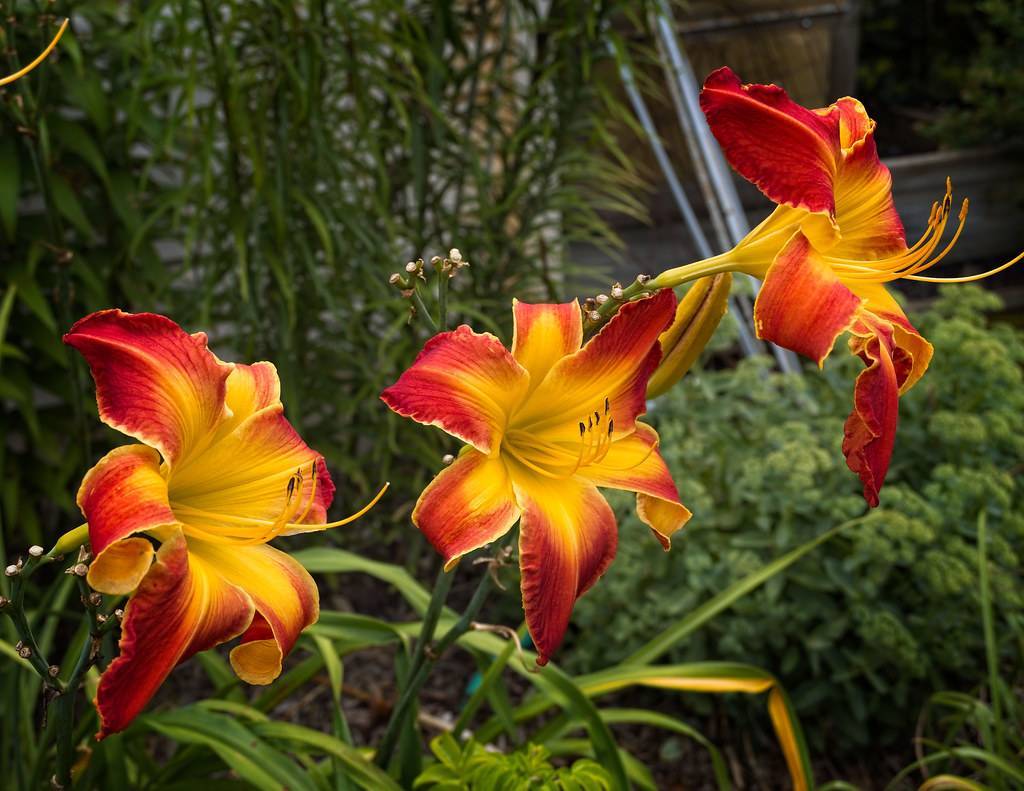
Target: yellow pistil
[[22, 72], [244, 535]]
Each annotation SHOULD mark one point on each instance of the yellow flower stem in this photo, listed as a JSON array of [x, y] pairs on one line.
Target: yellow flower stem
[[22, 72], [680, 275]]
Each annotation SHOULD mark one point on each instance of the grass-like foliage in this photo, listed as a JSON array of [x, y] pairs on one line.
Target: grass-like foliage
[[258, 170]]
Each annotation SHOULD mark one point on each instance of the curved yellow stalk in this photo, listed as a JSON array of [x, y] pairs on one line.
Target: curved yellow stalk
[[42, 56]]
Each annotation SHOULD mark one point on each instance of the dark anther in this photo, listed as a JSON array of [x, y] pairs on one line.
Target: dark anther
[[597, 419], [607, 405], [611, 425], [583, 429]]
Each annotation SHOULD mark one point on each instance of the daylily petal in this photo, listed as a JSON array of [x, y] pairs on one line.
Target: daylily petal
[[464, 382], [246, 474], [880, 302], [251, 388], [544, 334], [615, 364], [284, 594], [567, 539], [870, 226], [877, 299], [181, 607], [916, 350], [468, 505], [635, 465], [870, 429], [787, 151], [154, 381], [123, 494], [802, 304]]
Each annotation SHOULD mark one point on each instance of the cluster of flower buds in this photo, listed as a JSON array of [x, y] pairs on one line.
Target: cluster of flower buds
[[81, 568], [450, 264], [592, 305], [447, 265]]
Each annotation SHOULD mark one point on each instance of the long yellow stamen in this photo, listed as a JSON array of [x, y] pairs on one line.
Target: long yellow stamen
[[22, 72], [909, 264], [290, 519], [352, 517]]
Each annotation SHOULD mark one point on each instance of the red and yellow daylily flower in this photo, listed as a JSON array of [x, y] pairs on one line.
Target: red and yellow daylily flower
[[829, 248], [220, 472], [544, 424]]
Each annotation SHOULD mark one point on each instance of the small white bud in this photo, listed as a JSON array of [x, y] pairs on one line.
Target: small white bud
[[447, 459], [35, 551], [80, 570], [12, 571], [616, 291], [601, 299], [454, 255], [594, 316], [395, 279], [411, 267], [643, 280]]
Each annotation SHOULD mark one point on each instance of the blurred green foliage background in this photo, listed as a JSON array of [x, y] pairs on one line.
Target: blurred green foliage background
[[257, 171]]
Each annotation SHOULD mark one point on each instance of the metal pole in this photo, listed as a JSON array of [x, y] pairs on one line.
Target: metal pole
[[709, 152], [748, 343]]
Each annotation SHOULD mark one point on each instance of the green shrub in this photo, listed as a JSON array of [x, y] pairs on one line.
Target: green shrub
[[865, 626], [471, 767]]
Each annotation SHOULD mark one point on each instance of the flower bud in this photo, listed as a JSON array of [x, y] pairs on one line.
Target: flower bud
[[12, 570], [697, 317], [454, 255], [35, 551]]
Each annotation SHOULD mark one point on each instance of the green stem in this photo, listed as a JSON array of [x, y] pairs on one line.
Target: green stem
[[494, 670], [442, 298], [64, 713], [421, 308], [420, 669], [670, 278], [991, 646], [15, 610], [442, 585]]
